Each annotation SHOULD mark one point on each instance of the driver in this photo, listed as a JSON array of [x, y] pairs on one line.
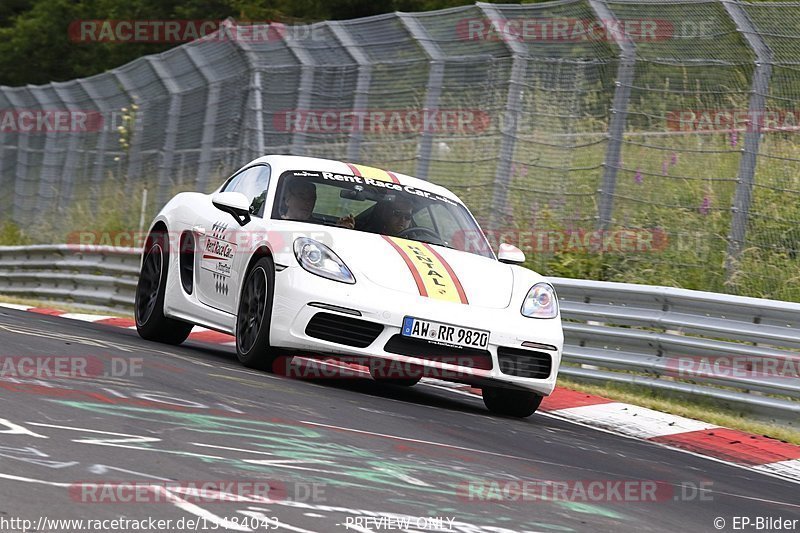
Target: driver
[[299, 200], [395, 216]]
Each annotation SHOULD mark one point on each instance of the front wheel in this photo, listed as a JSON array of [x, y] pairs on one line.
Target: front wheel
[[254, 317], [511, 402], [150, 291]]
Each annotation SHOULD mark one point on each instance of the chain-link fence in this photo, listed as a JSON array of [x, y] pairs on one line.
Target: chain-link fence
[[648, 141]]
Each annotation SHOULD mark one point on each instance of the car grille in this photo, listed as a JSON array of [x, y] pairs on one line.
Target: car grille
[[421, 349], [524, 363], [343, 330]]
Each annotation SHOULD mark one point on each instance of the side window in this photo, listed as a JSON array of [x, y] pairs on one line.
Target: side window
[[252, 182]]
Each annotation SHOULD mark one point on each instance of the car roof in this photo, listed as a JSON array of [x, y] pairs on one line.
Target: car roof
[[293, 162]]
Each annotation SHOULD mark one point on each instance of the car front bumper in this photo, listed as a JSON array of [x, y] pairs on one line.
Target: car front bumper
[[296, 288]]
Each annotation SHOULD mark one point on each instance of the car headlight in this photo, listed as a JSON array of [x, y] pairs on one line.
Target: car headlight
[[540, 302], [320, 260]]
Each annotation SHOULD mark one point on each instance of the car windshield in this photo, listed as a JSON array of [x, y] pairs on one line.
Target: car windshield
[[373, 206]]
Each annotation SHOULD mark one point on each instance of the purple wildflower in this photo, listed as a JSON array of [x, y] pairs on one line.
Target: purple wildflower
[[734, 138], [673, 159], [705, 207], [638, 177]]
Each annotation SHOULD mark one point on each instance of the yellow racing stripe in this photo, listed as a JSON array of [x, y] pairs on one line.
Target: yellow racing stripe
[[373, 173], [433, 276]]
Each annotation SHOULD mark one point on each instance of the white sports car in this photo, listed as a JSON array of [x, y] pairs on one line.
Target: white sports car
[[312, 257]]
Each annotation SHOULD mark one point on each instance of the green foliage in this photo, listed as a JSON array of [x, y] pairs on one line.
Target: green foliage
[[35, 47], [11, 235]]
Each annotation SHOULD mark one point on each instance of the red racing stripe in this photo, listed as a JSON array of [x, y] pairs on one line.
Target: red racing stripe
[[732, 445], [117, 321], [354, 169], [566, 398], [456, 282], [394, 178], [46, 311], [417, 278]]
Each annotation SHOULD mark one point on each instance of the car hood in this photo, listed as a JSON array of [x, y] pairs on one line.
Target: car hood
[[425, 269]]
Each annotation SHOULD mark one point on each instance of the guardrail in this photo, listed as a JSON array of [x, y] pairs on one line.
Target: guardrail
[[691, 343], [103, 278]]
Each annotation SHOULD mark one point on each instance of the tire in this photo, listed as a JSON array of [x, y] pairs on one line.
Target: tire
[[511, 402], [148, 307], [375, 372], [254, 316]]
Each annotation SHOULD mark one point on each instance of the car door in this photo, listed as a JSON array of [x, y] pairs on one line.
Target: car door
[[223, 243]]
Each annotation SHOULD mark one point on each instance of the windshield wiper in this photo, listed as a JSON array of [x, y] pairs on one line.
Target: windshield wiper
[[446, 245]]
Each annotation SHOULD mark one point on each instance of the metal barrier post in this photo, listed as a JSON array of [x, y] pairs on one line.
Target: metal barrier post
[[511, 118], [752, 138], [619, 114], [433, 90]]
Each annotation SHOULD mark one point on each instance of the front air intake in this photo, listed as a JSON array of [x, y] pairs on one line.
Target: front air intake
[[524, 363], [343, 330]]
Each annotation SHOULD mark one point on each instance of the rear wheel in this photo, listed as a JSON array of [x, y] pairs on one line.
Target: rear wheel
[[254, 317], [511, 402], [150, 290]]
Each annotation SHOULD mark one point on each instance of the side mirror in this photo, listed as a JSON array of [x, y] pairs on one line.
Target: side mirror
[[509, 253], [234, 203]]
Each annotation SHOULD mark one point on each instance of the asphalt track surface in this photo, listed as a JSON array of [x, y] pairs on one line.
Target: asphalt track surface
[[333, 452]]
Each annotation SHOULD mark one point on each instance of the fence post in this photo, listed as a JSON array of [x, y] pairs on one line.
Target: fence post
[[747, 164], [6, 200], [165, 171], [255, 100], [21, 168], [363, 82], [433, 90], [69, 168], [48, 173], [619, 113], [307, 66], [511, 118], [209, 117], [135, 150]]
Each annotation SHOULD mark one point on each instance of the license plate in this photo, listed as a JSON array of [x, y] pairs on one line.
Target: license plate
[[444, 333]]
